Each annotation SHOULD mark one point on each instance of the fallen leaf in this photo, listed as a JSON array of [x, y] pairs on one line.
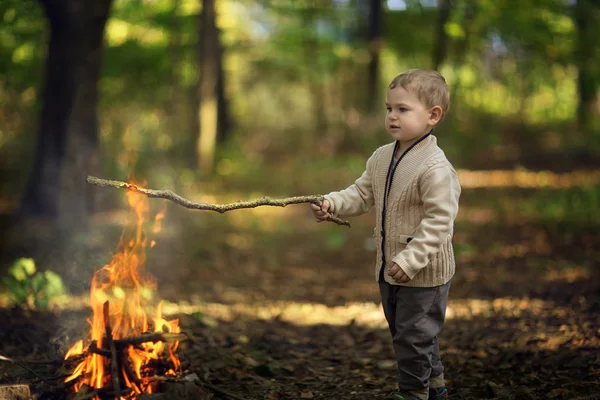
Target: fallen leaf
[[558, 392], [493, 389], [251, 362], [288, 368], [264, 370], [347, 340], [386, 364], [242, 339], [271, 396]]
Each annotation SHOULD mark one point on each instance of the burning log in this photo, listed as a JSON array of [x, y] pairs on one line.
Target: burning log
[[114, 364], [121, 344], [93, 348], [137, 340], [116, 354], [152, 338], [220, 208], [131, 375]]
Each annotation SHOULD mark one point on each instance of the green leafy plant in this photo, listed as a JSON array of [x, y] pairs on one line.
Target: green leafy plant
[[34, 289]]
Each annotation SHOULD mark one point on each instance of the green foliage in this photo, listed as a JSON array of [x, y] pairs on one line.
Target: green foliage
[[336, 238], [204, 319], [575, 206], [295, 79], [402, 26], [22, 31], [34, 289], [464, 249]]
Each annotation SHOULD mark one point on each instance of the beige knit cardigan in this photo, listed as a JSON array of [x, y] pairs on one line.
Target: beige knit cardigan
[[420, 211]]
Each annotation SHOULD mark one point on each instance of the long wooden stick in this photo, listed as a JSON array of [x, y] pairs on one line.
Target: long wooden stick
[[220, 208]]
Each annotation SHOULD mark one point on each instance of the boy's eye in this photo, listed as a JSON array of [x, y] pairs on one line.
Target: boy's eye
[[388, 109], [402, 109]]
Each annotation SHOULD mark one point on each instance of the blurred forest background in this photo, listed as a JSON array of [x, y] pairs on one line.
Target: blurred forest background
[[283, 97], [225, 100], [233, 99]]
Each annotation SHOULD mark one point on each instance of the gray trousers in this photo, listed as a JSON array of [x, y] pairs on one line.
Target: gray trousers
[[415, 316]]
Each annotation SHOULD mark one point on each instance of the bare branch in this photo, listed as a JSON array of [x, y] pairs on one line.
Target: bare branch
[[220, 208]]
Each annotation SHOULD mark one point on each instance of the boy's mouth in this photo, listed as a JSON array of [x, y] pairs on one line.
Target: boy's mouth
[[394, 126]]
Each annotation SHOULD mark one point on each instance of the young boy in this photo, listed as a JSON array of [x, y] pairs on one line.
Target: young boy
[[415, 191]]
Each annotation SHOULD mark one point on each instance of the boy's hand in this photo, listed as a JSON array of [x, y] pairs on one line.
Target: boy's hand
[[321, 213], [398, 274]]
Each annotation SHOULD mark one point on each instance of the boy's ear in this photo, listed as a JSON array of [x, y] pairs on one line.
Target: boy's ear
[[435, 115]]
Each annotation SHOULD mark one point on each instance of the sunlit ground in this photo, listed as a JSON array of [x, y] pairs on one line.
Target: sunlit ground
[[362, 313], [527, 179], [522, 296]]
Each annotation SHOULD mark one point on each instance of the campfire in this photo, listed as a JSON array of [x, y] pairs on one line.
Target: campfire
[[125, 352], [125, 355]]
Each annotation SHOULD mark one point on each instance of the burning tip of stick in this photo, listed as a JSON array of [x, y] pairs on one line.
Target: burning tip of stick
[[2, 358]]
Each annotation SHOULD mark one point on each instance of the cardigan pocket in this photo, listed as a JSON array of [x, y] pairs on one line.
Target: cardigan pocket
[[404, 239], [400, 244]]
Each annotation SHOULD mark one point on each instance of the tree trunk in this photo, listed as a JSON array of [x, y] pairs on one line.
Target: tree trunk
[[375, 39], [175, 56], [209, 95], [440, 49], [587, 58], [462, 49], [313, 70], [224, 122], [67, 148]]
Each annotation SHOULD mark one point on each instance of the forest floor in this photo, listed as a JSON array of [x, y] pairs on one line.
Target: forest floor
[[283, 308]]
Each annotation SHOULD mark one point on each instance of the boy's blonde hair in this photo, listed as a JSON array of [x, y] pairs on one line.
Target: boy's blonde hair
[[429, 86]]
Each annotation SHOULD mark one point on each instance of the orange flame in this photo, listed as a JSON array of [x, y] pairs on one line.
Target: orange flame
[[121, 283]]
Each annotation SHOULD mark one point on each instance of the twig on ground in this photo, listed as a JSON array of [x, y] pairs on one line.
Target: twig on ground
[[221, 391], [22, 365], [37, 362], [220, 208]]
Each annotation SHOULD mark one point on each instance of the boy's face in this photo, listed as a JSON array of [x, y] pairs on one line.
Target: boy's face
[[408, 119]]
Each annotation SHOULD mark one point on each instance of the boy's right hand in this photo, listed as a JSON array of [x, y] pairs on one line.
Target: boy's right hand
[[321, 213]]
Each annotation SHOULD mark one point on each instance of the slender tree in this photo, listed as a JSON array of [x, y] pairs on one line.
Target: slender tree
[[375, 42], [461, 49], [175, 56], [441, 38], [586, 58], [311, 49], [67, 146], [211, 91]]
